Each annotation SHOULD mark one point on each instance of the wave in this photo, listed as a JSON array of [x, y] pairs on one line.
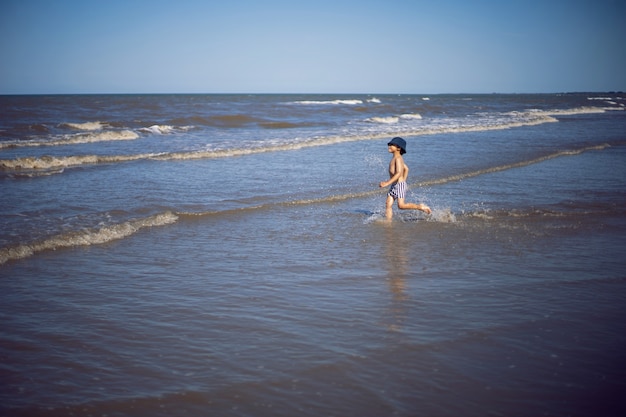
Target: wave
[[81, 138], [394, 119], [56, 162], [612, 101], [387, 120], [86, 237], [428, 183], [333, 102], [605, 98], [574, 111], [96, 135], [34, 173], [510, 120], [158, 129], [490, 170], [411, 116], [499, 120], [86, 125]]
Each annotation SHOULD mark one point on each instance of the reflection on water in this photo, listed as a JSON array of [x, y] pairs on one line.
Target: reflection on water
[[397, 265]]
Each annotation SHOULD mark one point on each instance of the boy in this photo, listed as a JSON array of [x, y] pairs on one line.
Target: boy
[[398, 173]]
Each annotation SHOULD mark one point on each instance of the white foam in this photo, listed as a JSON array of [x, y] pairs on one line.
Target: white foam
[[375, 218], [394, 119], [158, 129], [383, 120], [498, 122], [105, 136], [444, 215], [411, 116], [87, 125], [55, 162], [46, 162], [329, 102], [86, 237], [35, 173], [575, 111]]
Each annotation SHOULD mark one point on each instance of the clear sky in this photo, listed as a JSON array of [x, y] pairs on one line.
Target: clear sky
[[312, 46]]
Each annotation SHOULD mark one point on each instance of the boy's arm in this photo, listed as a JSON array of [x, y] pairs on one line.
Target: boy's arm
[[399, 166]]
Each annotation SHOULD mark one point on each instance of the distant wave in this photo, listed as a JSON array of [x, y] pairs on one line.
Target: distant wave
[[575, 111], [394, 119], [85, 237], [57, 164], [86, 125], [163, 129], [224, 121], [497, 121], [612, 101], [332, 102], [410, 116], [383, 119], [606, 98]]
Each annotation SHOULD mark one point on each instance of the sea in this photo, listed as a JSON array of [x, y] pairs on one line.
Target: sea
[[228, 255]]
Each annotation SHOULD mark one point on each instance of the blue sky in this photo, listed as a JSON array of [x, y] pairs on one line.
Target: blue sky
[[314, 46]]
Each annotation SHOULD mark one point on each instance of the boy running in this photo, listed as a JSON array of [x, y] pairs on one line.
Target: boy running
[[398, 173]]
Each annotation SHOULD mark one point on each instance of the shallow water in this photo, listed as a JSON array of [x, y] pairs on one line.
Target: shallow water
[[272, 287]]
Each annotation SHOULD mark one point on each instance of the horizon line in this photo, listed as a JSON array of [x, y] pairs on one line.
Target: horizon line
[[309, 93]]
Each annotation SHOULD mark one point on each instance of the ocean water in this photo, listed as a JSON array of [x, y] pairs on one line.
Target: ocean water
[[226, 255]]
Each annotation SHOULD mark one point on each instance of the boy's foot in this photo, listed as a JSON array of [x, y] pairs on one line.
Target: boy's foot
[[424, 208]]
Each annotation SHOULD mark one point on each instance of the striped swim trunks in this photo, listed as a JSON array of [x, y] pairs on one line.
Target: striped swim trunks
[[398, 190]]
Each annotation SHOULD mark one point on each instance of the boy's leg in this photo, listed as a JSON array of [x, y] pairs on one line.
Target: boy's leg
[[389, 207], [402, 205]]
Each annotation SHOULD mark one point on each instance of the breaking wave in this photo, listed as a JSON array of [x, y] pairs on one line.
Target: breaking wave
[[394, 119], [105, 234], [575, 111], [333, 102], [86, 237], [56, 164], [158, 129], [81, 138], [86, 125]]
